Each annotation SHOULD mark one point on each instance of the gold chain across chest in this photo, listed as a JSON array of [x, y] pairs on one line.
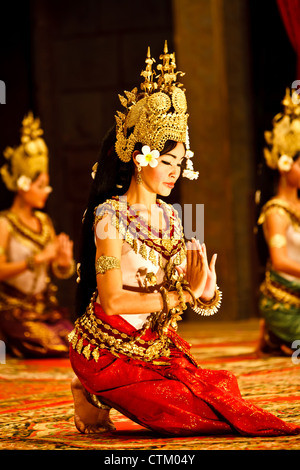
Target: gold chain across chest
[[39, 238], [162, 245]]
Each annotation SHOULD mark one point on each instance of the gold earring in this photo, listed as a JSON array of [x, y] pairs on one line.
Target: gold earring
[[138, 175]]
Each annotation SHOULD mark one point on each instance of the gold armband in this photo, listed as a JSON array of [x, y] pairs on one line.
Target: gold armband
[[104, 263], [277, 241], [2, 251]]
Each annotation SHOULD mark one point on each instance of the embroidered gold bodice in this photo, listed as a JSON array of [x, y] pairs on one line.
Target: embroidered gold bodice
[[24, 242], [146, 240], [147, 251]]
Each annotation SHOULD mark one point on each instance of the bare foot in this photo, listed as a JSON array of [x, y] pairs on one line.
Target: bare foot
[[88, 418]]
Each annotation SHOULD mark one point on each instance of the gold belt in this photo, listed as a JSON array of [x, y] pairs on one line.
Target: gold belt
[[280, 293], [91, 335]]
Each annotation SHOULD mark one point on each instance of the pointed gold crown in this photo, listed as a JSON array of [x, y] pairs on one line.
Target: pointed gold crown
[[284, 139], [29, 158], [156, 113]]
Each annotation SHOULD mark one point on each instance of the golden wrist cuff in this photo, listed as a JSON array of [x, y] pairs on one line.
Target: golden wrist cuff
[[211, 306], [30, 263], [62, 272]]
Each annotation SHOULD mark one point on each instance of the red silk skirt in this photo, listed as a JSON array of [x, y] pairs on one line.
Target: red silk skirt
[[178, 398]]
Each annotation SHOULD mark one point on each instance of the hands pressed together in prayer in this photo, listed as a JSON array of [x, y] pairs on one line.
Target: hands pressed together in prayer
[[60, 251], [200, 275]]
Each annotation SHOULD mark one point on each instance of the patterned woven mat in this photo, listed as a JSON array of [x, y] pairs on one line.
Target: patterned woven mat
[[36, 407]]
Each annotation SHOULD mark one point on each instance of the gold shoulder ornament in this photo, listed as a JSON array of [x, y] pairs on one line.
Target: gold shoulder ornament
[[277, 205]]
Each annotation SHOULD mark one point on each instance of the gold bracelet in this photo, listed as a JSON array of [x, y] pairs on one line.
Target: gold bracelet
[[104, 263], [207, 303], [166, 301], [179, 289], [30, 261], [193, 302], [62, 272], [210, 307]]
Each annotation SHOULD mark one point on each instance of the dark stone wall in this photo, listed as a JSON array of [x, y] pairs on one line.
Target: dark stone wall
[[67, 61]]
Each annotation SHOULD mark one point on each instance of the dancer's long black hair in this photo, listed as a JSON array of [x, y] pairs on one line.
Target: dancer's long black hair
[[112, 178], [266, 189]]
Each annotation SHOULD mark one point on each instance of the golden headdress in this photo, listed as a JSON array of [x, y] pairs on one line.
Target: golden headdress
[[29, 158], [284, 140], [155, 113]]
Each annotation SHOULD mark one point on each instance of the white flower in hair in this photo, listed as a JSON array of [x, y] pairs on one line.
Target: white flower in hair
[[24, 183], [148, 157], [285, 163]]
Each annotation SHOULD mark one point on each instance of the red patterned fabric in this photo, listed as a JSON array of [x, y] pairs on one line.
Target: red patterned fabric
[[179, 398], [290, 13]]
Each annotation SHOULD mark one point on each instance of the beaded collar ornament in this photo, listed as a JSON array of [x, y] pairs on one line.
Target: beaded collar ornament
[[28, 159], [156, 113], [283, 142]]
